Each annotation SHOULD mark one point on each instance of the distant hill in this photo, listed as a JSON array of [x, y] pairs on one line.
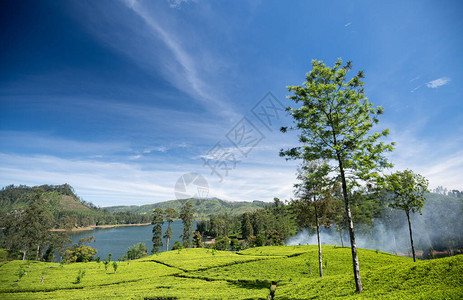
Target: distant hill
[[203, 207], [62, 197], [68, 209]]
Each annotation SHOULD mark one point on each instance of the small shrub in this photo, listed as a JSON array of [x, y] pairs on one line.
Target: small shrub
[[21, 272], [79, 276], [106, 263], [177, 246]]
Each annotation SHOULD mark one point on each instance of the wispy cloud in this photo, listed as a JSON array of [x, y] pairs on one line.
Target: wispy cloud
[[416, 88], [348, 24], [440, 160], [438, 82], [188, 67], [178, 3]]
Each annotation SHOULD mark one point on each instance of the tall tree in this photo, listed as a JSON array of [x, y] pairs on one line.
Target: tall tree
[[158, 220], [246, 226], [334, 119], [170, 214], [186, 214], [314, 194], [408, 192], [32, 227]]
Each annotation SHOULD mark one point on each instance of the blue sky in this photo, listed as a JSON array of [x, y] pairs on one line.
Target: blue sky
[[121, 98]]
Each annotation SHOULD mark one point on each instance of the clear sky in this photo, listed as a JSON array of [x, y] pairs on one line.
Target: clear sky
[[121, 98]]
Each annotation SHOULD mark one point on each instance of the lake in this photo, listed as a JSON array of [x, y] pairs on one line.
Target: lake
[[117, 240]]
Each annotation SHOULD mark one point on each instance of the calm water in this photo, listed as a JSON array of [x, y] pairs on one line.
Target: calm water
[[117, 240]]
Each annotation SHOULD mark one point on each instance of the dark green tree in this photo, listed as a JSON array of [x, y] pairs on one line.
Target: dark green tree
[[197, 240], [407, 191], [170, 214], [35, 224], [222, 243], [186, 214], [58, 242], [334, 120], [246, 226], [158, 220], [177, 246]]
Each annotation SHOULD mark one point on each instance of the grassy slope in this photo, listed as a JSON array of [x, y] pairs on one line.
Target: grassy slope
[[202, 207], [204, 274]]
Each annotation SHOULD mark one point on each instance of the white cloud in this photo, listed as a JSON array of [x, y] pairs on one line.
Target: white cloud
[[438, 82], [347, 24]]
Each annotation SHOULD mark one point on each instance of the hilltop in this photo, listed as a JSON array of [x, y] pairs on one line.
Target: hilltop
[[207, 274], [203, 207]]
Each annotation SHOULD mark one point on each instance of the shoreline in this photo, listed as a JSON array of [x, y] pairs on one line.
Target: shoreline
[[92, 227]]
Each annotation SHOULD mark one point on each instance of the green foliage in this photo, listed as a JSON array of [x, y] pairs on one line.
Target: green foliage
[[136, 251], [170, 214], [197, 240], [80, 276], [79, 254], [241, 276], [334, 120], [20, 272], [221, 243], [246, 226], [177, 246], [106, 263], [235, 244], [186, 214], [158, 220], [67, 209], [203, 207], [408, 191], [115, 265]]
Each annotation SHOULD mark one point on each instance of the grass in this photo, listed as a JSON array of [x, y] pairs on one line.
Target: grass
[[204, 274]]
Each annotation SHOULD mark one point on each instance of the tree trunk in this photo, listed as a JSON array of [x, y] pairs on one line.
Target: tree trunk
[[167, 246], [24, 253], [340, 235], [320, 263], [355, 262], [411, 236]]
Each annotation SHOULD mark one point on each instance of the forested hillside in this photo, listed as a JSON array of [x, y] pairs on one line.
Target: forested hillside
[[67, 208], [203, 208]]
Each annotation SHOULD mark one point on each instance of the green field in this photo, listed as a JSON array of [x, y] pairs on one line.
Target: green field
[[207, 274]]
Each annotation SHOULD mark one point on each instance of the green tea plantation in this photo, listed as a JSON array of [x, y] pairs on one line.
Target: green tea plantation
[[210, 274]]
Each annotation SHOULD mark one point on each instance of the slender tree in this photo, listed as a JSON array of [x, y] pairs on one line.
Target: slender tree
[[186, 214], [158, 220], [170, 214], [314, 194], [334, 119], [407, 191]]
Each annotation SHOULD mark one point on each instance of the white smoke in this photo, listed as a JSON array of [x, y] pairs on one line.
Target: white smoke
[[440, 227]]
